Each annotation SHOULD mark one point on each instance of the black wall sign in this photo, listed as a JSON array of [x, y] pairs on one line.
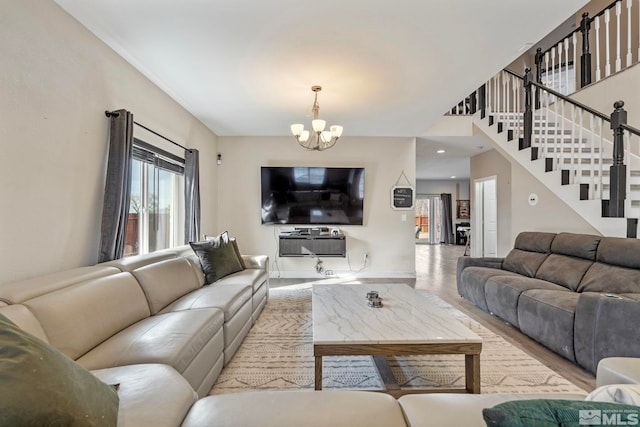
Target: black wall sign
[[402, 197]]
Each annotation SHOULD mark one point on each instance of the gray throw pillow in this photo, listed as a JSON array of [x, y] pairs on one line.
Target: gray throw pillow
[[217, 256], [40, 386]]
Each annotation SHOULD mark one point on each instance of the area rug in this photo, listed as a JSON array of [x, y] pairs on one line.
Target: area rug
[[277, 354]]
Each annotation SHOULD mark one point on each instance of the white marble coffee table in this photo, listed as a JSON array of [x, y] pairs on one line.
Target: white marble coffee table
[[407, 324]]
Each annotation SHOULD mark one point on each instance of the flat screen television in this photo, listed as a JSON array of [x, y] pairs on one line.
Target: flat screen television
[[312, 195]]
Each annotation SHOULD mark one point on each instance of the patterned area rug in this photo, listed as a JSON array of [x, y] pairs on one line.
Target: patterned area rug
[[277, 354]]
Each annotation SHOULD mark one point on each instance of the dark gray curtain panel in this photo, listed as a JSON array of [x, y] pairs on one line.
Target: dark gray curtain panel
[[447, 219], [117, 191], [191, 195]]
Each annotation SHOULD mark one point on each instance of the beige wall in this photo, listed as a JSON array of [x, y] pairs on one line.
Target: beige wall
[[385, 236], [485, 165], [56, 82], [514, 185]]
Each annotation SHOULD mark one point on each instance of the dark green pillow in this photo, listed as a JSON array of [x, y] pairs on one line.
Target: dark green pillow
[[564, 413], [238, 254], [217, 257], [40, 386]]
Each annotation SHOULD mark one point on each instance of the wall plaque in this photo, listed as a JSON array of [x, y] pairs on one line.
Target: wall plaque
[[402, 197]]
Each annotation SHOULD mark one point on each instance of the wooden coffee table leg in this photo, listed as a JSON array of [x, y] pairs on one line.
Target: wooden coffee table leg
[[318, 373], [472, 373]]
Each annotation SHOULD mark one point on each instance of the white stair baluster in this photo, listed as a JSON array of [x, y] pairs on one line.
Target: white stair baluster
[[600, 158], [551, 82], [566, 67], [629, 58], [546, 73], [575, 60], [597, 26], [572, 144], [618, 36], [592, 144], [580, 144], [559, 87], [546, 132], [607, 66]]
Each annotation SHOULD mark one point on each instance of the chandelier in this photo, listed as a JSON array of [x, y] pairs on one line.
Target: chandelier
[[318, 138]]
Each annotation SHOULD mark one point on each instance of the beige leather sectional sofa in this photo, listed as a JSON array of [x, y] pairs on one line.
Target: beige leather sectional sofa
[[146, 323]]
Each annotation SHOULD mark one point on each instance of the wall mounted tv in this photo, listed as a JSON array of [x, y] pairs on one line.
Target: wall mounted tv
[[312, 195]]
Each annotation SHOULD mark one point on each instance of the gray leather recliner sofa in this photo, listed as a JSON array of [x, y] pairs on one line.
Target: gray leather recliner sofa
[[577, 294]]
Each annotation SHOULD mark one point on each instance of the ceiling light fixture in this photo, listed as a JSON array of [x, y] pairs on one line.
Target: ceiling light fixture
[[317, 139], [440, 151]]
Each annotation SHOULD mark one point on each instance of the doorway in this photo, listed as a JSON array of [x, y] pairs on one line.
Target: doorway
[[428, 219], [484, 231]]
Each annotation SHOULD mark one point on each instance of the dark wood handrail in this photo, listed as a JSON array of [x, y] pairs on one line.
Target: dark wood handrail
[[631, 129], [564, 97]]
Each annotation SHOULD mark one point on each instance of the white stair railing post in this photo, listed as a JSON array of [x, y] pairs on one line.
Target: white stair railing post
[[607, 67], [618, 36], [629, 58], [598, 70], [592, 144]]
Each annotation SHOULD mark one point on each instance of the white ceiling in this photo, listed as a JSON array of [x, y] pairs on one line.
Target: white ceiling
[[245, 67]]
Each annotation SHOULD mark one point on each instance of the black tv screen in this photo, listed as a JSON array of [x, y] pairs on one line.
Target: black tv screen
[[312, 195]]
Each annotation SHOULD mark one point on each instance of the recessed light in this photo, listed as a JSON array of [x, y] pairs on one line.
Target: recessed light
[[452, 177], [440, 151]]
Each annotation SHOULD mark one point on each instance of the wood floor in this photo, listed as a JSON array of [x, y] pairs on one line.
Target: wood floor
[[436, 273]]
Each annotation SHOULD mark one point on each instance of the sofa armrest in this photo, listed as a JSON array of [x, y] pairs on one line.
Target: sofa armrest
[[608, 325], [260, 262], [618, 370], [465, 261]]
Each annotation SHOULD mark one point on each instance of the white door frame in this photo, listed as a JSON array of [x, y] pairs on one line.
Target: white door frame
[[477, 218]]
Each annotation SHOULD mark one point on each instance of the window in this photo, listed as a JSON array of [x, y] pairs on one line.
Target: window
[[156, 211]]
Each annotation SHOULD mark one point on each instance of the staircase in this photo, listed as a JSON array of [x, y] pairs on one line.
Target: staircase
[[568, 147]]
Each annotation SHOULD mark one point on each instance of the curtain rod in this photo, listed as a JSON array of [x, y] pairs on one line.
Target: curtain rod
[[116, 114]]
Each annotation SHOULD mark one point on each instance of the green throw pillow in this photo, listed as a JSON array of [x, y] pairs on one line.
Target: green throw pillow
[[564, 413], [217, 257], [238, 254], [40, 386]]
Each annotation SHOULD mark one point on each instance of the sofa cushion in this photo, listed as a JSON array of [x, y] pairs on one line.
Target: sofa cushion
[[436, 409], [547, 316], [253, 277], [297, 408], [534, 241], [524, 262], [173, 339], [18, 292], [150, 395], [563, 270], [39, 386], [472, 282], [25, 320], [79, 317], [552, 413], [166, 281], [619, 251], [217, 257], [503, 292], [228, 298], [610, 279], [583, 246]]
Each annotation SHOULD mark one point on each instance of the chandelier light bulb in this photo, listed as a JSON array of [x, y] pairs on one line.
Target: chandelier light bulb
[[297, 129], [318, 125], [317, 138]]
